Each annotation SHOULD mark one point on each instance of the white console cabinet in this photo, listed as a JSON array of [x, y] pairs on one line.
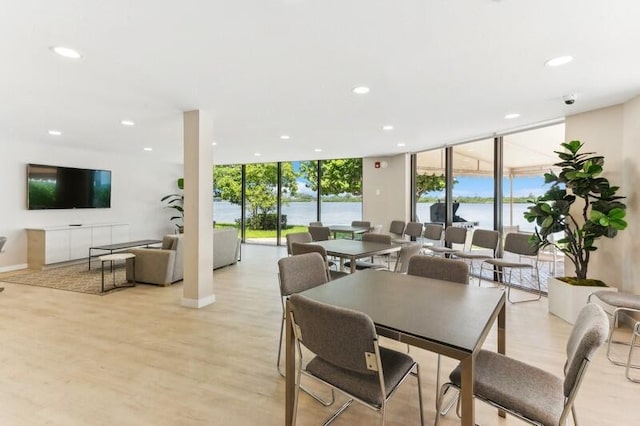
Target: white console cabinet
[[63, 243]]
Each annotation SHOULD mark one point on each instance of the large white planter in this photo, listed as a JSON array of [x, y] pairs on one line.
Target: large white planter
[[566, 301]]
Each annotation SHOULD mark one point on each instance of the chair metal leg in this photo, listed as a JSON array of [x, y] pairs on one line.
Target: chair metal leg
[[636, 334], [524, 300]]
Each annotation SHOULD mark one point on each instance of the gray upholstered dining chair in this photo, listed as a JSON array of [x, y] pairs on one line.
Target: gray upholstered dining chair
[[347, 356], [373, 238], [439, 268], [532, 394], [452, 235], [516, 244], [361, 224], [320, 233], [297, 237], [3, 241], [300, 248], [432, 235], [396, 228], [412, 231], [315, 224], [407, 251], [296, 274], [484, 245]]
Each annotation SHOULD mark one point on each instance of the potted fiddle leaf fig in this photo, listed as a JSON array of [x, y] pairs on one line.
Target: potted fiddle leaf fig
[[176, 202], [584, 207]]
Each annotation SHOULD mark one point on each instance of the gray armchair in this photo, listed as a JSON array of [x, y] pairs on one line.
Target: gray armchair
[[162, 266]]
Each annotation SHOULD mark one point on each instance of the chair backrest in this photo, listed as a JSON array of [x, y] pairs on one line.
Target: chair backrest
[[301, 272], [339, 336], [376, 238], [433, 232], [519, 244], [361, 224], [315, 223], [439, 268], [320, 233], [3, 241], [297, 237], [589, 333], [413, 229], [406, 252], [455, 235], [376, 229], [485, 238], [397, 227]]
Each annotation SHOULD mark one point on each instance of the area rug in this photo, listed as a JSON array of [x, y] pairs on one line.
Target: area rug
[[75, 277]]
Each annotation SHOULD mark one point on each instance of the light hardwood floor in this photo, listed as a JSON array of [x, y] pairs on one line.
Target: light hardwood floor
[[136, 357]]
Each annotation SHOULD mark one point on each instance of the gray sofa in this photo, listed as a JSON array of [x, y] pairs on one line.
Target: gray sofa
[[226, 247], [164, 266]]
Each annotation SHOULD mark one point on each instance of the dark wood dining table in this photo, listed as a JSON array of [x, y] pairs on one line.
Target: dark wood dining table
[[355, 249], [446, 318]]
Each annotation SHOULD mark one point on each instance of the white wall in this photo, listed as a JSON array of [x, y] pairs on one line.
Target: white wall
[[614, 133], [138, 184], [386, 190]]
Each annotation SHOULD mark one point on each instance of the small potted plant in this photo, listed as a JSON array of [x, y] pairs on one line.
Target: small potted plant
[[176, 202], [584, 207]]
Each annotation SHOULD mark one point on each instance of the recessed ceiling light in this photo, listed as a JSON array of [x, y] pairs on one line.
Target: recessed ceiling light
[[148, 149], [387, 127], [510, 116], [285, 137], [55, 132], [560, 60], [214, 143], [318, 150], [127, 123], [257, 154], [361, 90], [66, 52], [402, 144]]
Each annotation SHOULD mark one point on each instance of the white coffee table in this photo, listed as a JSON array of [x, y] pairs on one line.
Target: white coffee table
[[114, 258]]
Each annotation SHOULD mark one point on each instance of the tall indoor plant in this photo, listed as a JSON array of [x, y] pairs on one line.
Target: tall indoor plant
[[598, 211]]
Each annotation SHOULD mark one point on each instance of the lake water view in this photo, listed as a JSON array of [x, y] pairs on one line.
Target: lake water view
[[334, 213]]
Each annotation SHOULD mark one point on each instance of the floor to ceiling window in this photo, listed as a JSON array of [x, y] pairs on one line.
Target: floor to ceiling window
[[430, 185], [299, 201], [341, 191], [227, 196], [473, 195]]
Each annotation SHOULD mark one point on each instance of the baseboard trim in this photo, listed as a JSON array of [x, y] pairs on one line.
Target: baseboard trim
[[11, 268], [198, 303]]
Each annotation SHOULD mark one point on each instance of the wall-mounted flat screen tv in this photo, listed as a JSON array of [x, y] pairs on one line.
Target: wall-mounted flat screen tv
[[55, 187]]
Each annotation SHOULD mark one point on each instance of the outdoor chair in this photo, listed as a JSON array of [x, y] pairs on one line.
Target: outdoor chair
[[320, 233], [452, 235], [300, 248], [516, 244], [374, 238], [484, 245], [296, 274], [297, 237], [347, 356], [532, 394]]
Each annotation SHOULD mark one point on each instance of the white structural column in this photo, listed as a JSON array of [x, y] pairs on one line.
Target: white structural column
[[198, 210]]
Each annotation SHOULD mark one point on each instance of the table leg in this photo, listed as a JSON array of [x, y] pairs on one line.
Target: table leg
[[353, 264], [502, 340], [113, 274], [102, 268], [289, 369], [466, 391]]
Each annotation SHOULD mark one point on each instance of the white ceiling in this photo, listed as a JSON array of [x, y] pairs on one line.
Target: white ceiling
[[440, 71]]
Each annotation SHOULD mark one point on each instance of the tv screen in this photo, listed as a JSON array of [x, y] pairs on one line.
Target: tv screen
[[54, 187]]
